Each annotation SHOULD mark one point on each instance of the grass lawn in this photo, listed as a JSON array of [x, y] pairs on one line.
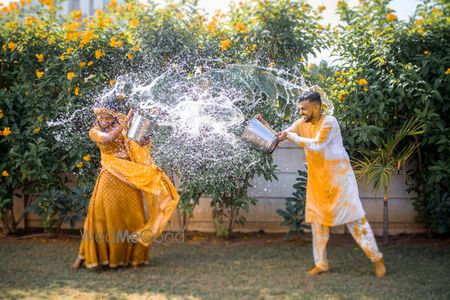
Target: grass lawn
[[263, 267]]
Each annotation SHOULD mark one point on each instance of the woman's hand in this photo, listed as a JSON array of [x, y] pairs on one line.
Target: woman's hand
[[148, 140], [128, 118]]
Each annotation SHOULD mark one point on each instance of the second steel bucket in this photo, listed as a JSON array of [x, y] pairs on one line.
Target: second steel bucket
[[259, 136]]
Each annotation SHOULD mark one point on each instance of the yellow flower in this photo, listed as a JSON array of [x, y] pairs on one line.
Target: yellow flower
[[419, 22], [25, 2], [99, 54], [69, 50], [322, 7], [82, 64], [112, 82], [37, 130], [87, 157], [46, 2], [365, 89], [6, 131], [29, 21], [420, 30], [87, 37], [5, 173], [120, 97], [112, 3], [13, 6], [225, 45], [362, 82], [448, 71], [135, 48], [119, 43], [40, 57], [1, 114], [113, 42], [80, 165], [39, 74], [70, 75], [76, 14], [11, 46], [62, 58], [426, 52], [76, 91], [241, 27], [134, 23], [90, 63], [391, 17], [130, 56]]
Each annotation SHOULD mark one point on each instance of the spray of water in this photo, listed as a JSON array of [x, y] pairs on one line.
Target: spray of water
[[199, 117]]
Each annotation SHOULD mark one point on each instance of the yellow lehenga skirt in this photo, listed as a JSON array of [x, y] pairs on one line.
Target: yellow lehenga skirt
[[115, 211], [128, 178]]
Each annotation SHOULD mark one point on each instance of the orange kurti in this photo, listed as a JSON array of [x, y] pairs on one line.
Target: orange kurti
[[116, 210], [332, 196]]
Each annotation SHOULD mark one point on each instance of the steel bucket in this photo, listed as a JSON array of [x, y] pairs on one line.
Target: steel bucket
[[259, 136], [140, 128]]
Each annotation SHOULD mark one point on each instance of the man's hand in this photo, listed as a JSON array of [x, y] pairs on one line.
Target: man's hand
[[261, 119], [281, 136]]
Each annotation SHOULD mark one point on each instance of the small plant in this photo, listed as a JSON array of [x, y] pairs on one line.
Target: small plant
[[58, 206], [294, 215], [189, 198], [378, 165]]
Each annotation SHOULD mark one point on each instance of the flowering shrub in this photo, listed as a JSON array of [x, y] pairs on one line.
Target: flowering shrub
[[53, 65]]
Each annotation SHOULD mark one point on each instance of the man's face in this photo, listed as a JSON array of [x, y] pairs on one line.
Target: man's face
[[308, 110]]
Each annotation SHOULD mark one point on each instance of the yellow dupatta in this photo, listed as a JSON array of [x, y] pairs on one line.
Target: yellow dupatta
[[143, 174]]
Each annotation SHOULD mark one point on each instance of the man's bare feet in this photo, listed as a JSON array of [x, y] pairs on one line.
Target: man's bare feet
[[380, 269], [316, 271], [77, 264]]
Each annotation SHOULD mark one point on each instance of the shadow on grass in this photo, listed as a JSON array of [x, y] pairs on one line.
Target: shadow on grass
[[40, 268]]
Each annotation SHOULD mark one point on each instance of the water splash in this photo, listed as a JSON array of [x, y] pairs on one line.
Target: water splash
[[200, 116]]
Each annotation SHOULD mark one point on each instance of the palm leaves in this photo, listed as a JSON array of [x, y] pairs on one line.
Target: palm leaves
[[378, 165]]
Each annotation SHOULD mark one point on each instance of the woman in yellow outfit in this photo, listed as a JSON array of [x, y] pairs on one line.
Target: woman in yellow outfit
[[116, 232]]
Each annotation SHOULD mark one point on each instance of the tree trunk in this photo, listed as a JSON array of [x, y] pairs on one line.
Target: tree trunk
[[184, 219], [385, 219], [7, 219]]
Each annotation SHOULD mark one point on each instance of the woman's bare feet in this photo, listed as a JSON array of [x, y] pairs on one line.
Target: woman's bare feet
[[77, 264]]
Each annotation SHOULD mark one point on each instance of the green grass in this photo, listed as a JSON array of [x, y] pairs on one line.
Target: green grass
[[242, 269]]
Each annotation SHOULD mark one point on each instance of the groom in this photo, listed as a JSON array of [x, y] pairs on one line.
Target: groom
[[332, 196]]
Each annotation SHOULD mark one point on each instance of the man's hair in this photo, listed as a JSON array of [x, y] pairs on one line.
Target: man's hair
[[310, 96]]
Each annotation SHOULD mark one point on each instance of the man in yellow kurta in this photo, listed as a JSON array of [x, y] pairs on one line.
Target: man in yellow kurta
[[332, 196]]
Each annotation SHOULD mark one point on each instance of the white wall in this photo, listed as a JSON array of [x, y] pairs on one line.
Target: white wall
[[271, 196]]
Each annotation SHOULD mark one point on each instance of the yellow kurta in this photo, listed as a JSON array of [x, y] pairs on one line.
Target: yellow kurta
[[332, 196], [116, 209]]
